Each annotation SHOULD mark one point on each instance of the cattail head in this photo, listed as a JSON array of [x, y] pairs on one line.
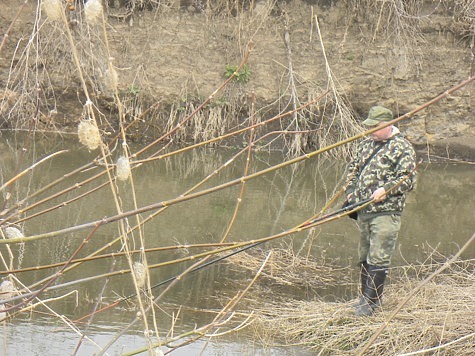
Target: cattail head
[[123, 168], [140, 274], [89, 134], [13, 233], [93, 11], [53, 9]]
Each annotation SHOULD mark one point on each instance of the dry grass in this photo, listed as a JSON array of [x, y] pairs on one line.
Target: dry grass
[[31, 99], [440, 316], [286, 268], [46, 63]]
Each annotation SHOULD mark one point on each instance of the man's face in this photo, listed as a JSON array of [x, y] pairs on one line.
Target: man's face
[[382, 134]]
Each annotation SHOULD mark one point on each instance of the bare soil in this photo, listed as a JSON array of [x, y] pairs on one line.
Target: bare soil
[[179, 53]]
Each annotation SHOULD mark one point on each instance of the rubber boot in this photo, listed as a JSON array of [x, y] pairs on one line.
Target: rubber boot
[[363, 275], [378, 275], [363, 279], [372, 291]]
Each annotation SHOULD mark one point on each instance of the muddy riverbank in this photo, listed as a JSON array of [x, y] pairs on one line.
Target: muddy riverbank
[[176, 55]]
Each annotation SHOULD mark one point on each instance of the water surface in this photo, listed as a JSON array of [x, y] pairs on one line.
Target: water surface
[[439, 218]]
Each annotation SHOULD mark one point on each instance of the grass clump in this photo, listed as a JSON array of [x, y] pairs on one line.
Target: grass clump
[[437, 319]]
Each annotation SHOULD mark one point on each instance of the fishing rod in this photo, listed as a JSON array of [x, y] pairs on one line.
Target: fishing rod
[[234, 182], [318, 220], [343, 211], [335, 214]]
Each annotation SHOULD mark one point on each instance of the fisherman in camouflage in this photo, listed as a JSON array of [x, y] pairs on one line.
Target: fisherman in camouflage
[[384, 170]]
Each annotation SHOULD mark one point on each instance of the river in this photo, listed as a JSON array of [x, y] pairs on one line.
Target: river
[[438, 219]]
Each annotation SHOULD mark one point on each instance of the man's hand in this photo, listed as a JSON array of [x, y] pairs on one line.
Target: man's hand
[[379, 194]]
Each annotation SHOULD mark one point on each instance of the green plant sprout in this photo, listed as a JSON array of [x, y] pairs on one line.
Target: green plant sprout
[[241, 76], [134, 90]]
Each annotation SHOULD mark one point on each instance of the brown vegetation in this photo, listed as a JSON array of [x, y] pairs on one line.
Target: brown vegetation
[[394, 53], [257, 75], [435, 319]]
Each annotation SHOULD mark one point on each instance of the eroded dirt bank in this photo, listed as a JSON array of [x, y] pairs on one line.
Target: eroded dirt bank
[[178, 53]]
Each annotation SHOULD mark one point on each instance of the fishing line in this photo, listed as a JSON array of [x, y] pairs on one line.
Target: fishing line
[[337, 213]]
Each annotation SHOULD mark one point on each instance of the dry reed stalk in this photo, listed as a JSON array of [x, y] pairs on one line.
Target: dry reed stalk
[[33, 166], [139, 270], [136, 162], [7, 32], [55, 276], [61, 318], [223, 317], [245, 173], [23, 201], [442, 312], [96, 256], [99, 298], [342, 117], [214, 172], [63, 203]]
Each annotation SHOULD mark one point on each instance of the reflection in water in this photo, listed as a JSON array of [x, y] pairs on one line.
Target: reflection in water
[[439, 215]]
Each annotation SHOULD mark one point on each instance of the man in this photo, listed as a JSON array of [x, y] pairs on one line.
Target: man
[[384, 170]]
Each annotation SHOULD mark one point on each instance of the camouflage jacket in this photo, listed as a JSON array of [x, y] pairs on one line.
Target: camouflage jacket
[[390, 168]]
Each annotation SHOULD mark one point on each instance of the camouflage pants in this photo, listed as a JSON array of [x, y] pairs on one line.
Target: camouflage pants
[[378, 238]]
